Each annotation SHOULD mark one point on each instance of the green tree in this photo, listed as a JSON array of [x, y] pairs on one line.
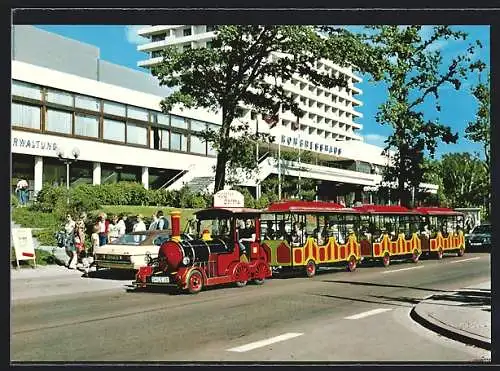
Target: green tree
[[479, 129], [237, 71], [464, 178], [415, 73]]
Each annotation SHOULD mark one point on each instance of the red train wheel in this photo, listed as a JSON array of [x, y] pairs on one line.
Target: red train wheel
[[260, 274], [415, 256], [240, 275], [440, 254], [351, 266], [311, 268], [386, 259], [194, 282], [461, 251]]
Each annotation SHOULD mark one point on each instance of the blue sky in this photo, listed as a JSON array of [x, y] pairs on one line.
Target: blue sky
[[118, 44]]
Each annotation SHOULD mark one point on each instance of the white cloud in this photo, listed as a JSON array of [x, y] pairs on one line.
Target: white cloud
[[132, 36], [375, 139]]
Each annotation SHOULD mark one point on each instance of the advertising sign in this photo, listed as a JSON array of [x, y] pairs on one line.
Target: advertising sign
[[228, 198], [22, 240]]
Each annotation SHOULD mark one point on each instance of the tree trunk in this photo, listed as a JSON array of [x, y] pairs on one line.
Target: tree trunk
[[222, 156]]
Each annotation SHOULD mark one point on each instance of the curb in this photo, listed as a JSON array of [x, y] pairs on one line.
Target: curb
[[446, 331]]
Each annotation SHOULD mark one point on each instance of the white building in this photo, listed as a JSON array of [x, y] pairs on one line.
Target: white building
[[65, 97]]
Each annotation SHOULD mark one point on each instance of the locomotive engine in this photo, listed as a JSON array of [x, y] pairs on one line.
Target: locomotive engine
[[191, 264]]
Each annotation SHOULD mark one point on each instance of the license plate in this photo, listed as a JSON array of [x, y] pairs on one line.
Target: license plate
[[160, 279], [475, 243]]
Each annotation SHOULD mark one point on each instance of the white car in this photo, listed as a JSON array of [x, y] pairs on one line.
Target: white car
[[130, 250]]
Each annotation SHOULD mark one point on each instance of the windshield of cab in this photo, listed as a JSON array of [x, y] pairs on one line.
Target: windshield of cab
[[214, 228], [482, 229], [130, 239]]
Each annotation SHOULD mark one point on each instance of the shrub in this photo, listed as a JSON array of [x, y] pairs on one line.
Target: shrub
[[14, 202]]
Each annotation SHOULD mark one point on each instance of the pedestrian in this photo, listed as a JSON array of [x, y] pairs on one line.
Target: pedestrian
[[162, 222], [154, 222], [94, 239], [114, 229], [103, 225], [69, 229], [80, 239], [139, 226], [22, 191], [122, 227]]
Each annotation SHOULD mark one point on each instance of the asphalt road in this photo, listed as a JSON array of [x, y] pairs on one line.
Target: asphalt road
[[335, 316]]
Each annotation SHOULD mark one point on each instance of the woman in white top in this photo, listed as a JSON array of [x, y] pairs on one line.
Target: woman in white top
[[139, 226], [121, 226]]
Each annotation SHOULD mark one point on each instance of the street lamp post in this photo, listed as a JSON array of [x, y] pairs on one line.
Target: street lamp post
[[68, 160]]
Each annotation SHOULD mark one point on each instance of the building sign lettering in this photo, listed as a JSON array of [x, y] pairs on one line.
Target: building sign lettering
[[313, 146], [228, 198], [39, 144]]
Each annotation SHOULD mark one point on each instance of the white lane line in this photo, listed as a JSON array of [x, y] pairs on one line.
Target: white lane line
[[465, 260], [263, 343], [403, 269], [369, 313]]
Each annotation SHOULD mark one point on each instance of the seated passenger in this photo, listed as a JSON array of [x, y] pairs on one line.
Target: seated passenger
[[281, 233], [425, 231], [297, 235], [270, 233]]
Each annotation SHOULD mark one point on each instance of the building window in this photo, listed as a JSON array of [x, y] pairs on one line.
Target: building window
[[165, 137], [114, 130], [198, 145], [59, 121], [156, 54], [26, 90], [137, 134], [198, 125], [211, 28], [209, 45], [163, 120], [178, 122], [86, 126], [186, 47], [137, 113], [88, 103], [187, 31], [253, 115], [113, 108], [25, 116], [159, 37], [178, 142], [60, 97], [211, 151]]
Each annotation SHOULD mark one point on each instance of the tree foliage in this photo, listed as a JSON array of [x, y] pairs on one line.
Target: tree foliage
[[239, 71], [415, 73]]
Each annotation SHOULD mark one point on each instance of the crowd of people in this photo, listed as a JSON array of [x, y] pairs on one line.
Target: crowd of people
[[105, 230]]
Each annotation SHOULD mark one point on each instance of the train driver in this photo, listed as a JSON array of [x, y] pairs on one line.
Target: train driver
[[247, 233], [281, 233]]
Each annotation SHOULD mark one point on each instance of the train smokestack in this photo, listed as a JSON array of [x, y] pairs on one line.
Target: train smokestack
[[175, 217]]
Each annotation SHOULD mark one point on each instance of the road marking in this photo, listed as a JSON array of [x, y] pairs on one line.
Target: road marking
[[466, 260], [369, 313], [402, 269], [263, 343]]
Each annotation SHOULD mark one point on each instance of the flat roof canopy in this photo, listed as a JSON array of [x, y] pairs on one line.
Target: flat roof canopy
[[226, 212], [296, 206]]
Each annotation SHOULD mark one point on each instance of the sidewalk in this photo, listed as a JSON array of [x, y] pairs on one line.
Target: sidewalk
[[463, 315]]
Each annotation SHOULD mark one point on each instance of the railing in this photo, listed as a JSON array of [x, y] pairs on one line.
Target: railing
[[263, 157], [177, 176]]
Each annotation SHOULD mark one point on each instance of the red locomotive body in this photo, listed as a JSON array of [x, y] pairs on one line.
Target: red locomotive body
[[212, 254]]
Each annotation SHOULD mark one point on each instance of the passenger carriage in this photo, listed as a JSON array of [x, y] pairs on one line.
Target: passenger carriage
[[389, 233], [209, 255], [441, 231], [305, 235]]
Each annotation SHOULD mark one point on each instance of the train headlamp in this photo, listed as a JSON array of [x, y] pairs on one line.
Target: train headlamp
[[185, 260]]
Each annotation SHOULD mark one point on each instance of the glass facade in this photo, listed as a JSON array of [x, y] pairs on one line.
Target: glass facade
[[65, 113], [25, 116]]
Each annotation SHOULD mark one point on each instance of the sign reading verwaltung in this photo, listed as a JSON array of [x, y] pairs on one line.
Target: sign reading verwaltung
[[228, 198], [22, 241]]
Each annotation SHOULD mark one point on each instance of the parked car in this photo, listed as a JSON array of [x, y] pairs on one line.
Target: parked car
[[479, 238], [130, 250]]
